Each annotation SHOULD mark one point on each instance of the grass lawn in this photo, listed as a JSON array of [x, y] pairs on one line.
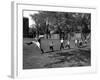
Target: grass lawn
[[33, 59]]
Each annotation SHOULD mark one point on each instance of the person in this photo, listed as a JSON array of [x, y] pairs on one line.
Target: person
[[39, 40], [61, 46], [51, 46], [68, 44], [37, 43], [85, 41], [80, 43], [76, 42]]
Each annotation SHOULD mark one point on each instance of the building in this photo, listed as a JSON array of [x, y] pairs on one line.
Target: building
[[25, 27]]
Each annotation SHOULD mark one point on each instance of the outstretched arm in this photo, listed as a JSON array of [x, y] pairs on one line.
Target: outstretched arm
[[29, 43]]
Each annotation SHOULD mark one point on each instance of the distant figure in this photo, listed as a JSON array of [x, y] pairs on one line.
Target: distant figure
[[80, 43], [51, 46], [85, 42], [61, 46], [68, 44], [76, 42]]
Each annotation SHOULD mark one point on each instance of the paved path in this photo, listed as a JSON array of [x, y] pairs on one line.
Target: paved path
[[32, 57]]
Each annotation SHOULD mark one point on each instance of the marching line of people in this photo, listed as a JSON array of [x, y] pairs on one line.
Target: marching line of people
[[64, 45]]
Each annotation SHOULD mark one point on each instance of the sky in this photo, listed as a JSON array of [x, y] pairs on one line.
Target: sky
[[27, 14]]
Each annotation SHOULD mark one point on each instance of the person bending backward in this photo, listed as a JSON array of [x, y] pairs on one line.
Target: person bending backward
[[61, 46], [37, 43], [39, 40]]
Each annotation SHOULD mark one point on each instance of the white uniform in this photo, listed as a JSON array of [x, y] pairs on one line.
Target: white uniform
[[36, 43], [75, 41], [62, 40], [67, 42]]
